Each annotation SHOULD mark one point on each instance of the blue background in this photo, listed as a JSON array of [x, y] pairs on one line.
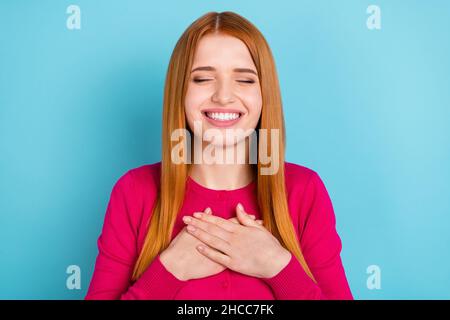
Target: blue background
[[367, 109]]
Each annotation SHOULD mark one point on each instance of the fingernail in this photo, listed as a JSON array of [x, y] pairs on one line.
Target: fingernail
[[190, 228], [197, 214], [252, 216], [240, 207], [208, 210], [200, 248], [187, 219]]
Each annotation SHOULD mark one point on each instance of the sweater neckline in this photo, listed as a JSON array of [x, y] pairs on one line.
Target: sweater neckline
[[220, 194]]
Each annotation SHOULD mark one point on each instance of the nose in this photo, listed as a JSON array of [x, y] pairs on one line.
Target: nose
[[223, 93]]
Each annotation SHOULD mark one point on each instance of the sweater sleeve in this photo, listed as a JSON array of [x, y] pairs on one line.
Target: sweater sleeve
[[117, 254], [321, 247]]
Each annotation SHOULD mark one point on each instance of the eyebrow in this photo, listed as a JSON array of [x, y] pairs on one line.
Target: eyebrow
[[241, 70]]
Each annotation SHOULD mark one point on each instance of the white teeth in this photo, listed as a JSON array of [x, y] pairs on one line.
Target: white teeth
[[222, 116]]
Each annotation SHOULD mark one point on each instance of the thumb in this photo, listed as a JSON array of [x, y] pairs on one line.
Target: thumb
[[234, 220], [244, 218]]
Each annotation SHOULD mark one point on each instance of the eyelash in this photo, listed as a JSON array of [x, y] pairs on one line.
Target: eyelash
[[197, 80]]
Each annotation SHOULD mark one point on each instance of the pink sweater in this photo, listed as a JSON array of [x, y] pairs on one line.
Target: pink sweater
[[123, 234]]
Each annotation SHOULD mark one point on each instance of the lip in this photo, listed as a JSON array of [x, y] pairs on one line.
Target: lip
[[222, 123], [222, 110]]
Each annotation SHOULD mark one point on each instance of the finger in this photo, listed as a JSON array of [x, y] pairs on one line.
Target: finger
[[234, 220], [208, 210], [243, 217], [214, 255], [209, 239], [207, 227], [218, 221]]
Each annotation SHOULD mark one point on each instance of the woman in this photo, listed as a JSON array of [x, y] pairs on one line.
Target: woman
[[194, 227]]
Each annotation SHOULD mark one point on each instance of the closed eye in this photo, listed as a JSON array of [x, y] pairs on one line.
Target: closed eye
[[246, 81], [198, 80]]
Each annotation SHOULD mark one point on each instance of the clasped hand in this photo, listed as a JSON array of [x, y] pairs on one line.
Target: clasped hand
[[240, 244]]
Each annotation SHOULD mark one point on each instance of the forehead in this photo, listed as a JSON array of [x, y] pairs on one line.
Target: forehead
[[219, 50]]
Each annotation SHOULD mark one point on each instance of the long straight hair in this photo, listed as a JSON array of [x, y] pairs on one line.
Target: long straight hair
[[271, 189]]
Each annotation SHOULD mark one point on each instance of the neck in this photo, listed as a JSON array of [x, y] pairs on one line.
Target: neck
[[227, 176], [222, 176]]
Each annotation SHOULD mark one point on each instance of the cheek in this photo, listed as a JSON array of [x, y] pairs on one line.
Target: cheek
[[192, 105], [253, 102]]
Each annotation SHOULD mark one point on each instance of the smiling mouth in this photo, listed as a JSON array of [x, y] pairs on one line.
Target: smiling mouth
[[223, 116]]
